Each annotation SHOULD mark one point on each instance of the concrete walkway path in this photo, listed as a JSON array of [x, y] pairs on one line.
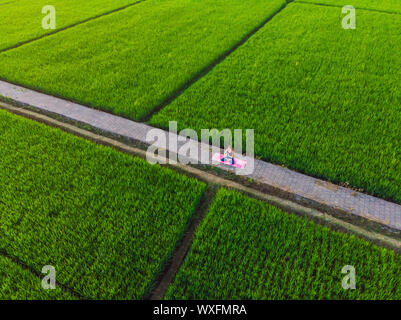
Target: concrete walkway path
[[291, 184]]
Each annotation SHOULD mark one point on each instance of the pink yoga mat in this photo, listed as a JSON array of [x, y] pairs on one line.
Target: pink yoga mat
[[238, 163]]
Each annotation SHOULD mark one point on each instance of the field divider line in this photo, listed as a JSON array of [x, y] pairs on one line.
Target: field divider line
[[70, 26], [178, 257], [2, 4], [339, 6], [37, 274], [364, 230], [178, 92]]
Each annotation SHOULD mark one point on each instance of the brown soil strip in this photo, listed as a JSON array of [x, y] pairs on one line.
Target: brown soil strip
[[177, 259]]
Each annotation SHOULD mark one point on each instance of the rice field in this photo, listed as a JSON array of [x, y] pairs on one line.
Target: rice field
[[246, 249], [322, 100], [128, 62], [107, 222], [20, 284], [390, 6], [21, 20]]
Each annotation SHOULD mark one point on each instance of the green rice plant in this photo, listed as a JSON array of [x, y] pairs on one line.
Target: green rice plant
[[130, 61], [21, 20], [106, 221], [247, 249], [391, 6], [321, 99], [17, 283]]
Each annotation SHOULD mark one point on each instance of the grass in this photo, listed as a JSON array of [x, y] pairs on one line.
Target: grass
[[106, 221], [130, 61], [246, 249], [17, 283], [21, 20], [393, 6], [322, 100]]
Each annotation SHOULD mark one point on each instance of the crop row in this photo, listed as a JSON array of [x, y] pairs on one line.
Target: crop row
[[246, 249], [106, 221]]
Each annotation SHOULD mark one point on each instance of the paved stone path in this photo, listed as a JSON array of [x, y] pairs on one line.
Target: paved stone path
[[293, 184]]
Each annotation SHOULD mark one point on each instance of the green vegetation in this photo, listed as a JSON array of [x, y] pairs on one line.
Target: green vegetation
[[130, 61], [321, 99], [383, 5], [246, 249], [105, 220], [17, 283], [22, 20]]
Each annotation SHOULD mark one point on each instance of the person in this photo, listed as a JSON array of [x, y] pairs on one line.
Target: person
[[228, 155]]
